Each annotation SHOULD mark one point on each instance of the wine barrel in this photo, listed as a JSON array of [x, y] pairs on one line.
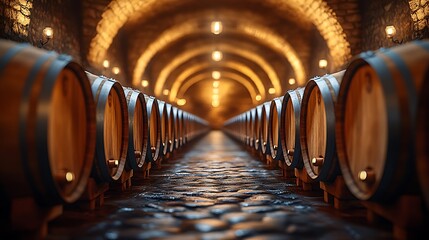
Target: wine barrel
[[274, 128], [258, 128], [154, 129], [422, 140], [137, 135], [163, 117], [247, 127], [185, 121], [178, 128], [317, 127], [111, 128], [264, 128], [289, 128], [375, 126], [252, 127], [171, 121], [47, 129]]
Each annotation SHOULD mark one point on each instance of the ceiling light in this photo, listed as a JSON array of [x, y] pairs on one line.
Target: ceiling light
[[216, 75], [145, 83], [216, 27], [217, 56]]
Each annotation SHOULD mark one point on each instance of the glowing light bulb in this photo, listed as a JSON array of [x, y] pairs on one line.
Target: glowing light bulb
[[216, 75], [216, 27], [145, 83], [217, 56], [292, 81]]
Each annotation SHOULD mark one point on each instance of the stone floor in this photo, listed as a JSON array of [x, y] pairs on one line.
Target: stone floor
[[215, 190]]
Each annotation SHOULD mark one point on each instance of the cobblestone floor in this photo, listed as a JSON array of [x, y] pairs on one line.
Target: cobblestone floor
[[215, 190]]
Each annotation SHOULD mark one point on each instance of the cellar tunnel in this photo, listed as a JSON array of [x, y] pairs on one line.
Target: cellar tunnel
[[187, 119]]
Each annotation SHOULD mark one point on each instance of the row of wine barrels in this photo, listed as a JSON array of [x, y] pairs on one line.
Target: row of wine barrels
[[65, 125], [367, 123]]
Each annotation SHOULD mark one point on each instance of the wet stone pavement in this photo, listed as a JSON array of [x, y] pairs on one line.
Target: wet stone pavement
[[215, 190]]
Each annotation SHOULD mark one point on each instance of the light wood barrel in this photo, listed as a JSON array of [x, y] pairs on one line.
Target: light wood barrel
[[111, 128], [376, 114], [154, 129], [422, 140], [137, 122], [163, 117], [317, 127], [289, 128], [274, 128], [258, 128], [171, 121], [47, 129]]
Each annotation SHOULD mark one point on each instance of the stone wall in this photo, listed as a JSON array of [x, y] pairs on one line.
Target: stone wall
[[376, 15], [24, 21]]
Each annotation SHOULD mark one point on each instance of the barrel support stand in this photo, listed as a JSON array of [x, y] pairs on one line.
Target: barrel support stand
[[146, 169], [93, 196], [287, 172], [270, 162], [31, 220], [406, 215], [338, 194], [307, 183], [124, 183]]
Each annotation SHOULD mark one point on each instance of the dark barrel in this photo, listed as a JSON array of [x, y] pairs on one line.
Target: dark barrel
[[171, 121]]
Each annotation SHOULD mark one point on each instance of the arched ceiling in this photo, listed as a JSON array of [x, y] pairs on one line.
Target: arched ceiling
[[264, 43]]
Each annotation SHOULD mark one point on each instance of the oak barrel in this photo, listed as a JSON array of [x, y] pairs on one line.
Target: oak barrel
[[289, 127], [264, 128], [111, 128], [274, 128], [154, 129], [252, 128], [375, 124], [47, 129], [317, 127], [178, 128], [163, 121], [171, 121], [258, 128], [137, 122]]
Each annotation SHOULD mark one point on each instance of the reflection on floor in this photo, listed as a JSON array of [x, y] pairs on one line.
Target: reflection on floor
[[215, 190]]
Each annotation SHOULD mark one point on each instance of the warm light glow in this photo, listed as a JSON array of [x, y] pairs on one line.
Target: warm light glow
[[271, 90], [390, 31], [215, 97], [145, 83], [258, 97], [116, 70], [48, 32], [216, 27], [217, 56], [106, 63], [69, 177], [166, 92], [215, 90], [323, 63], [292, 81], [215, 103], [181, 102], [216, 84], [216, 75]]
